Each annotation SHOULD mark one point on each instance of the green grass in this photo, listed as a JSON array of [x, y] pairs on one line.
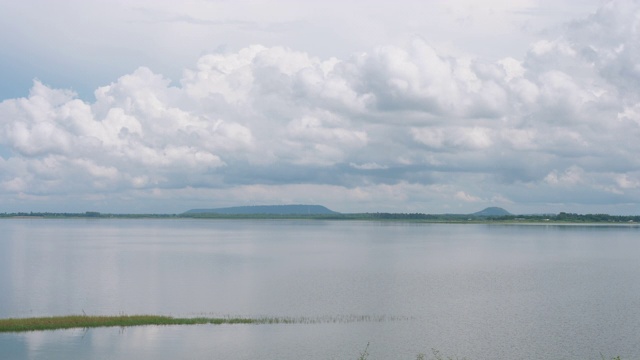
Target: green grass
[[85, 321], [88, 321]]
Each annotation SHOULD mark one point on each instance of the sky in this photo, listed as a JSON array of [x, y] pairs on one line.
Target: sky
[[158, 106]]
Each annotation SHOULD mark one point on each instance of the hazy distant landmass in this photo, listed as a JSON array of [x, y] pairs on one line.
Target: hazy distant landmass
[[309, 210], [492, 211], [267, 210], [488, 215]]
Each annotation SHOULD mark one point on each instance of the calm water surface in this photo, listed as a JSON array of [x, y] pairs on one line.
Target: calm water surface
[[475, 291]]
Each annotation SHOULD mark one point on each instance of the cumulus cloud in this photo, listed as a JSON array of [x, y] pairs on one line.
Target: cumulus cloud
[[461, 195], [267, 124]]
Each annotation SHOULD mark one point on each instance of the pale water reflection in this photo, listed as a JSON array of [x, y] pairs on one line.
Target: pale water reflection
[[479, 291]]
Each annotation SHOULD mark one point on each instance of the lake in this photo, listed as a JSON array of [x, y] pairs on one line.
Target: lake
[[478, 291]]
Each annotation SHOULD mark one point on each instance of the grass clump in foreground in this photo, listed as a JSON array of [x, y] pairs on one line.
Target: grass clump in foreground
[[86, 321]]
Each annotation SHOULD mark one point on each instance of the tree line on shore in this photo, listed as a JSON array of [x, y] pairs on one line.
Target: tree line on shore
[[562, 217]]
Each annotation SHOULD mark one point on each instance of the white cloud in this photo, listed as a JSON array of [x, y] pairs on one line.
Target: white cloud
[[369, 166], [570, 177], [628, 181], [451, 139], [461, 195], [271, 122]]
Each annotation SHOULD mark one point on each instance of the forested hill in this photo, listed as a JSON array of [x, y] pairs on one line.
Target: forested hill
[[492, 211], [266, 210], [489, 215]]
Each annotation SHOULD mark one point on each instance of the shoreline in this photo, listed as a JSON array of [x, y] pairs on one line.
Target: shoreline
[[347, 218]]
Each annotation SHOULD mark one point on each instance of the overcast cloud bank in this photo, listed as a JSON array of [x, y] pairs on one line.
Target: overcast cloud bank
[[400, 128]]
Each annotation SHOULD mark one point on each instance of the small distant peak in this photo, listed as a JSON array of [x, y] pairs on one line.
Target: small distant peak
[[492, 211]]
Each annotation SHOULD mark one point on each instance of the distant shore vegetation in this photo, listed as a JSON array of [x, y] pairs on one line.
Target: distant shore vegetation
[[560, 218]]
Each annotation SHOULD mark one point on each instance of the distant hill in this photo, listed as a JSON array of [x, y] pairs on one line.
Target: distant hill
[[267, 209], [492, 211]]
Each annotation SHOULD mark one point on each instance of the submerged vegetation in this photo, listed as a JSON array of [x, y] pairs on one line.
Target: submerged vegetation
[[436, 355], [422, 356]]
